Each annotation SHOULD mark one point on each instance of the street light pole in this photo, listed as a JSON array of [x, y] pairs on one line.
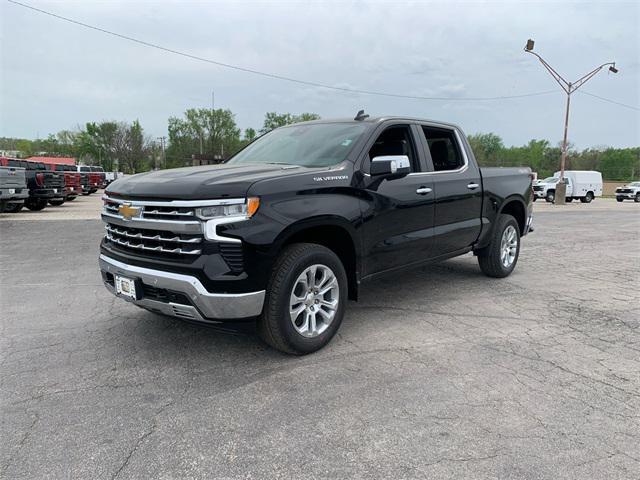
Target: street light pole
[[162, 140], [569, 88]]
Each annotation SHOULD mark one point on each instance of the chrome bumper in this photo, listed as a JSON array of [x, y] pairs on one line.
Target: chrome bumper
[[205, 307]]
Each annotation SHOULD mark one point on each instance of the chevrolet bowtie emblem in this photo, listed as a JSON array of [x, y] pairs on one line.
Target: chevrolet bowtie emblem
[[128, 212]]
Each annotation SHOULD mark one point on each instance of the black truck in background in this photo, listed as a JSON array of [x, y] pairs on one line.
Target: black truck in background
[[297, 222], [43, 185]]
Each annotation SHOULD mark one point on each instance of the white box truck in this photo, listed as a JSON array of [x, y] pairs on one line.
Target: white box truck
[[583, 185]]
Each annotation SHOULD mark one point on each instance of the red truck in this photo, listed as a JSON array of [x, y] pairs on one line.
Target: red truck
[[72, 182]]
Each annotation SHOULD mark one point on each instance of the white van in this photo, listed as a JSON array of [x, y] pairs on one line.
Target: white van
[[583, 185]]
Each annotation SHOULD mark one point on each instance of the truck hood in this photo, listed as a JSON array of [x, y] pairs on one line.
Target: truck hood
[[197, 183]]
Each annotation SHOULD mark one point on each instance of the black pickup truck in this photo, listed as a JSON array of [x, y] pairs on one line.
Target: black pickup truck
[[43, 184], [294, 224]]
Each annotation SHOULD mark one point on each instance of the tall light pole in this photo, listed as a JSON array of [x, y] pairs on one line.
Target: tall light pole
[[162, 140], [569, 88]]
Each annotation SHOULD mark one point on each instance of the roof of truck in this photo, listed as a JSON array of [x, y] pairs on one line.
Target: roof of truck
[[372, 120]]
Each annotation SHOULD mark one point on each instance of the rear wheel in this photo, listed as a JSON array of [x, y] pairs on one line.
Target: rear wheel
[[56, 203], [587, 198], [305, 299], [35, 204], [569, 199], [499, 259], [551, 196]]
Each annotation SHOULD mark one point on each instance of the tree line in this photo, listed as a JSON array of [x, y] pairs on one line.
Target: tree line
[[214, 135]]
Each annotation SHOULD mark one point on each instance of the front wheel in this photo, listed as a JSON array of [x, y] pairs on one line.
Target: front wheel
[[620, 199], [499, 259], [305, 300], [56, 203], [568, 199], [35, 204], [637, 198], [550, 197], [12, 207]]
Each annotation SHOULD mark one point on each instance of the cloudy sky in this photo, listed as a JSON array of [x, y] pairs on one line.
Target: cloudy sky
[[56, 75]]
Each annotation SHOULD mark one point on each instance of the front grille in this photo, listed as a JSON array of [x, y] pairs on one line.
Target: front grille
[[538, 189], [170, 229], [154, 240], [625, 190]]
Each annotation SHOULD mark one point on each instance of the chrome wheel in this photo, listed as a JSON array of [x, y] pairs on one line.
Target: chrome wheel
[[508, 246], [314, 300]]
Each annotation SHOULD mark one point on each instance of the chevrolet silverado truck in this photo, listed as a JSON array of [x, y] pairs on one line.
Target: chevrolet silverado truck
[[630, 191], [42, 185], [13, 186], [295, 224]]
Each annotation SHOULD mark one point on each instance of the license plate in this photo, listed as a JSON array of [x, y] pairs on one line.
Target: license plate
[[55, 190], [12, 191], [125, 287], [72, 189]]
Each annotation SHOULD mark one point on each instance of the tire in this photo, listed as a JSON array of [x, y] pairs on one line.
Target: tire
[[35, 204], [85, 193], [637, 198], [568, 199], [535, 198], [13, 207], [276, 325], [587, 198], [56, 203], [620, 199], [71, 199], [550, 197], [491, 259]]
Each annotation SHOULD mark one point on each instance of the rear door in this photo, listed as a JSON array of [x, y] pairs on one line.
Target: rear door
[[398, 221], [457, 186]]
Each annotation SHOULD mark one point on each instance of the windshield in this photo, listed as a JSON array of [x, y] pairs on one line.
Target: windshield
[[550, 180], [634, 184], [316, 145]]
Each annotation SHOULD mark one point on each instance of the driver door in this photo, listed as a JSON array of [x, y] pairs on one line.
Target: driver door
[[398, 220]]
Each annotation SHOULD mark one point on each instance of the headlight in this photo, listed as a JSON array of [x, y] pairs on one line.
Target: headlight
[[246, 209], [220, 214]]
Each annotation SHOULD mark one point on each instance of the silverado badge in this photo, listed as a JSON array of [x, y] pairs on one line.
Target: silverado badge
[[128, 212]]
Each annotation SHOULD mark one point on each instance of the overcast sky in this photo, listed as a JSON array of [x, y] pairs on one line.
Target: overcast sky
[[56, 75]]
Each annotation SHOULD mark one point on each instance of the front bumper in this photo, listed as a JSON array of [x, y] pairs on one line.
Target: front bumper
[[185, 295], [18, 195], [626, 195]]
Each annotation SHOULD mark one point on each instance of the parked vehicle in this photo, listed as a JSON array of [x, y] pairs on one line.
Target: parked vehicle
[[294, 224], [630, 191], [92, 179], [72, 182], [13, 186], [583, 185], [43, 184], [111, 177], [101, 176]]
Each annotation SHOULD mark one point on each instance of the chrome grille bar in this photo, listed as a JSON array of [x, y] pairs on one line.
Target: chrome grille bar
[[156, 238], [158, 248]]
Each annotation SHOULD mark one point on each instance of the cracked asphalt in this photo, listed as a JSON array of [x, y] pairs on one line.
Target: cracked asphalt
[[436, 373]]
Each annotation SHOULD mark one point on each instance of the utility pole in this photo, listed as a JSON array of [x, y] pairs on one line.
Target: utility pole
[[162, 139], [569, 88]]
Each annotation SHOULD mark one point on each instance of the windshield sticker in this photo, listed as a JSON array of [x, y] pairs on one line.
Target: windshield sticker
[[346, 143]]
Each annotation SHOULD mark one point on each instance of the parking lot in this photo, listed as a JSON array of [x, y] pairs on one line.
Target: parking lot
[[439, 373]]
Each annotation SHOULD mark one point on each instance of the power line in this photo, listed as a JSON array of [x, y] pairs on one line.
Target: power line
[[610, 101], [271, 75]]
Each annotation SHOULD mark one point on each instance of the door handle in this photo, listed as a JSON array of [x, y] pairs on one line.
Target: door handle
[[472, 186], [423, 190]]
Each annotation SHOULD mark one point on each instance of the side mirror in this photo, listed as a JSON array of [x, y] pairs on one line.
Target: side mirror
[[390, 165]]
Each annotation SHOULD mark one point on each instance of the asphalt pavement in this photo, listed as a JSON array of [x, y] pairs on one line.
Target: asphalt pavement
[[436, 373]]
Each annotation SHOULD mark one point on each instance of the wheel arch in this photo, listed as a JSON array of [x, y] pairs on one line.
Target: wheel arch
[[515, 206], [333, 232]]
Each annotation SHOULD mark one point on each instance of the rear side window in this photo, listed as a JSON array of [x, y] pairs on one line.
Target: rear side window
[[85, 169], [444, 149], [14, 163]]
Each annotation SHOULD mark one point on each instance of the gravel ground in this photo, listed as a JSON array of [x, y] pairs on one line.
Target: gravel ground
[[436, 373]]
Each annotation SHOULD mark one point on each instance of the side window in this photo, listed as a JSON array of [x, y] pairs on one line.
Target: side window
[[396, 140], [444, 149]]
